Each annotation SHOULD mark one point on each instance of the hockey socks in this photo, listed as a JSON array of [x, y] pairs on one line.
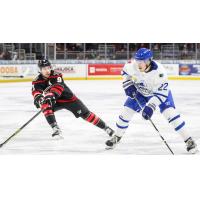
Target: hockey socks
[[95, 120], [49, 114]]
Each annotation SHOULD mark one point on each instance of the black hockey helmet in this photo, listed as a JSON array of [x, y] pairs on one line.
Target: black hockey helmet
[[43, 63]]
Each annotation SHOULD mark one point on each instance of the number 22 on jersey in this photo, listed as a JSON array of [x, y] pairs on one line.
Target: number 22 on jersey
[[163, 87]]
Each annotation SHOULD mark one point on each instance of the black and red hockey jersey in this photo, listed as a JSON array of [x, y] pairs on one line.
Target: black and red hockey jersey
[[56, 85]]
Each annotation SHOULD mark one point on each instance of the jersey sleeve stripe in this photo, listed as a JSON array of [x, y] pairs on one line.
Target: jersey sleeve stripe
[[176, 117], [159, 98], [55, 76], [57, 91], [155, 93], [59, 87], [35, 82], [35, 93]]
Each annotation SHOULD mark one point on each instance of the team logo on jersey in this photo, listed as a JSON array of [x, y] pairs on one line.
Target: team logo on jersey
[[161, 75], [167, 103], [143, 88], [79, 112]]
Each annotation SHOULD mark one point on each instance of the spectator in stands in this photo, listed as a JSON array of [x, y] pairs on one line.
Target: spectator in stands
[[79, 46], [184, 52], [156, 47], [5, 55], [60, 47], [1, 55]]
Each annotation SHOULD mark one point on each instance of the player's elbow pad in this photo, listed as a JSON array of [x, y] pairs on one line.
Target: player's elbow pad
[[57, 90]]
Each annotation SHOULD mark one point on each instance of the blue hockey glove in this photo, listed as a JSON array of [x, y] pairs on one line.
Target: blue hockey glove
[[148, 111], [130, 88]]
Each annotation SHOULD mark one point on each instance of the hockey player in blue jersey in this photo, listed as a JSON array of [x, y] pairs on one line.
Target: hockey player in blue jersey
[[148, 91]]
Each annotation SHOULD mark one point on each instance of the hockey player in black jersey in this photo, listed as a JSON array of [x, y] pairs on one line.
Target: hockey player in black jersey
[[58, 96]]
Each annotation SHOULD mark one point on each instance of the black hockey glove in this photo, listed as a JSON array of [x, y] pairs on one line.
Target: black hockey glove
[[50, 99], [39, 100]]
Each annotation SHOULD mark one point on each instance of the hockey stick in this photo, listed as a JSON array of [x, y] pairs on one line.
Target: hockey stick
[[5, 76], [18, 130], [156, 129]]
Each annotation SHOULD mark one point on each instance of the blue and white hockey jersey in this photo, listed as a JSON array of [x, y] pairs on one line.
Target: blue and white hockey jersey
[[153, 85]]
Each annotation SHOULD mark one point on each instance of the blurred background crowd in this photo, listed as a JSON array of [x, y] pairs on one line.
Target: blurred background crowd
[[96, 51]]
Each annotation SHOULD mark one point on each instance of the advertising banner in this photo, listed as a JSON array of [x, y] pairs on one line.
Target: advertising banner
[[195, 70], [104, 69], [18, 71], [172, 69], [115, 69], [71, 70], [92, 71], [185, 69], [189, 69]]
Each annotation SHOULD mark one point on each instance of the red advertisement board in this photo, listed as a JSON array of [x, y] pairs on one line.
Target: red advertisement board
[[104, 69]]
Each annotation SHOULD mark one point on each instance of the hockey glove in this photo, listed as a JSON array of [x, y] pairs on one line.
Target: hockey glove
[[50, 99], [130, 88], [39, 100], [148, 111]]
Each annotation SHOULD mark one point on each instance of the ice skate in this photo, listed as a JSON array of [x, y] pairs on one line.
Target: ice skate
[[110, 144], [57, 133], [109, 131], [191, 146]]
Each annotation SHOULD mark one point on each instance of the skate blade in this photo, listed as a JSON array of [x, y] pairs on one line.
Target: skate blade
[[194, 151], [58, 137], [110, 148]]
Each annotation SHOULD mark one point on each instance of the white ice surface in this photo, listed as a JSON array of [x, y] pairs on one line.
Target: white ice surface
[[105, 98]]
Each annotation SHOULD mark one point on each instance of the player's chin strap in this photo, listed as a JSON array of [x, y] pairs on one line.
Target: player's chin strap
[[30, 120], [147, 68], [155, 127]]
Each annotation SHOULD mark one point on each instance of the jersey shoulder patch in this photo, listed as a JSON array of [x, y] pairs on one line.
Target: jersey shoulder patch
[[161, 75]]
